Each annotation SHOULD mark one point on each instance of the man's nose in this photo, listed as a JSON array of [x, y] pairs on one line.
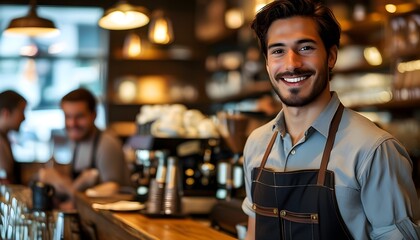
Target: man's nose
[[71, 121], [293, 60]]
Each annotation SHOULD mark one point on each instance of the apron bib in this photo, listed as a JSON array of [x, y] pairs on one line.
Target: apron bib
[[298, 204], [76, 173]]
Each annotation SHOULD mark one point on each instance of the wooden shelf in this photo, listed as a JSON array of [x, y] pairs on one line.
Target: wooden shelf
[[123, 128], [372, 23], [153, 54], [399, 105], [364, 68], [368, 31]]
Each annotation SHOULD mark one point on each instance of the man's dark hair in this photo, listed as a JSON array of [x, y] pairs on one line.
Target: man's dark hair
[[81, 95], [10, 99], [328, 27]]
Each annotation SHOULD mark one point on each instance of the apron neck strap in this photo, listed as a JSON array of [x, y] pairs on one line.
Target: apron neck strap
[[267, 152], [329, 145], [327, 150]]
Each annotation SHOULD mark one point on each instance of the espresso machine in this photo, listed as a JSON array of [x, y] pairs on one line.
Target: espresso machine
[[196, 161]]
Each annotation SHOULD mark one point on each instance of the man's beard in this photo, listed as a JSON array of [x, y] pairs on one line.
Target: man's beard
[[295, 100], [81, 134]]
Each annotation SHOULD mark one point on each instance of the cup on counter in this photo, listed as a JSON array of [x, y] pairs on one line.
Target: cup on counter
[[42, 196], [155, 198]]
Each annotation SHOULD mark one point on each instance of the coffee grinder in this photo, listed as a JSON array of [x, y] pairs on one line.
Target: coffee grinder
[[233, 128]]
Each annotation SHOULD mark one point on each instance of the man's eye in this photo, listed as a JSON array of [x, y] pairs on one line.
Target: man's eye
[[307, 48], [277, 51]]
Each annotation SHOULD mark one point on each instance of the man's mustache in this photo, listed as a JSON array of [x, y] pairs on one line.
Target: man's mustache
[[74, 128], [297, 72]]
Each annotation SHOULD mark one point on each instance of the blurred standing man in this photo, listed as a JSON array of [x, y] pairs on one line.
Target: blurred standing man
[[319, 170], [12, 107], [98, 160]]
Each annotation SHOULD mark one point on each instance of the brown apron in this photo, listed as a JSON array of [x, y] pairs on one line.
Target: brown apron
[[298, 204]]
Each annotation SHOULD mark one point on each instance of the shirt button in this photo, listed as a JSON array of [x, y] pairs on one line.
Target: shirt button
[[293, 152]]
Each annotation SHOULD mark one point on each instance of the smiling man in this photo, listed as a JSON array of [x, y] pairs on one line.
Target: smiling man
[[320, 170], [98, 160]]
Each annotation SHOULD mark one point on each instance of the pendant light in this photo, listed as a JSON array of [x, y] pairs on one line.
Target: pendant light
[[31, 25], [124, 16], [234, 15], [132, 46], [234, 18], [160, 29]]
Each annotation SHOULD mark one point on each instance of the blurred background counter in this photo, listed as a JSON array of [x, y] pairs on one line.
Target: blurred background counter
[[103, 224]]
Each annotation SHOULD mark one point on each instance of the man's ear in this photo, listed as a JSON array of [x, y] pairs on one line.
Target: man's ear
[[332, 56]]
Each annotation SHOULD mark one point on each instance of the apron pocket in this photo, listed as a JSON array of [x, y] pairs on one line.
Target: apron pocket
[[269, 223], [265, 211], [299, 225]]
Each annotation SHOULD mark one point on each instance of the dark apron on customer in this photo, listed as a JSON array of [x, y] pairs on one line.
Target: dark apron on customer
[[298, 204], [76, 173]]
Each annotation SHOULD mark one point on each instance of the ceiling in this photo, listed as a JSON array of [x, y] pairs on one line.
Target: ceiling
[[371, 5], [104, 3]]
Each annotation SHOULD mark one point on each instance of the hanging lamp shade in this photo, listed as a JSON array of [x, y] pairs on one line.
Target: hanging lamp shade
[[234, 18], [124, 16], [132, 46], [31, 25], [160, 29]]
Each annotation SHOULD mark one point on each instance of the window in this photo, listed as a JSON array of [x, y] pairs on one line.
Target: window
[[45, 69]]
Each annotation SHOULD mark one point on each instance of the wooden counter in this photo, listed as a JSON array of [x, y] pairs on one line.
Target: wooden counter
[[103, 224]]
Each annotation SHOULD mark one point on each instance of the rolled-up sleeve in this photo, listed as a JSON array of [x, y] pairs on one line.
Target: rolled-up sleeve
[[388, 193], [247, 203]]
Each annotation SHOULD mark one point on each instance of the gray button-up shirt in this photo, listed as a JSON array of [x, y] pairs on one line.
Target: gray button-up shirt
[[375, 192]]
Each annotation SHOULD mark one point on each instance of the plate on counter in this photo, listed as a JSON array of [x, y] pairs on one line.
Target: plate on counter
[[119, 206]]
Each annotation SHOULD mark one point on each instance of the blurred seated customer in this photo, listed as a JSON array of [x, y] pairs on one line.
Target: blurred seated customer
[[98, 165], [12, 107]]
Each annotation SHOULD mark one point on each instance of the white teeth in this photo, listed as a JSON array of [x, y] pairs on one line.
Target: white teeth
[[294, 80]]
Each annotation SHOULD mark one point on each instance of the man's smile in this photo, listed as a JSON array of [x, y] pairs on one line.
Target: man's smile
[[294, 79]]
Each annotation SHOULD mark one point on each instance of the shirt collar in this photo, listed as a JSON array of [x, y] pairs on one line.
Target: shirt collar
[[279, 124], [323, 122], [319, 124]]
